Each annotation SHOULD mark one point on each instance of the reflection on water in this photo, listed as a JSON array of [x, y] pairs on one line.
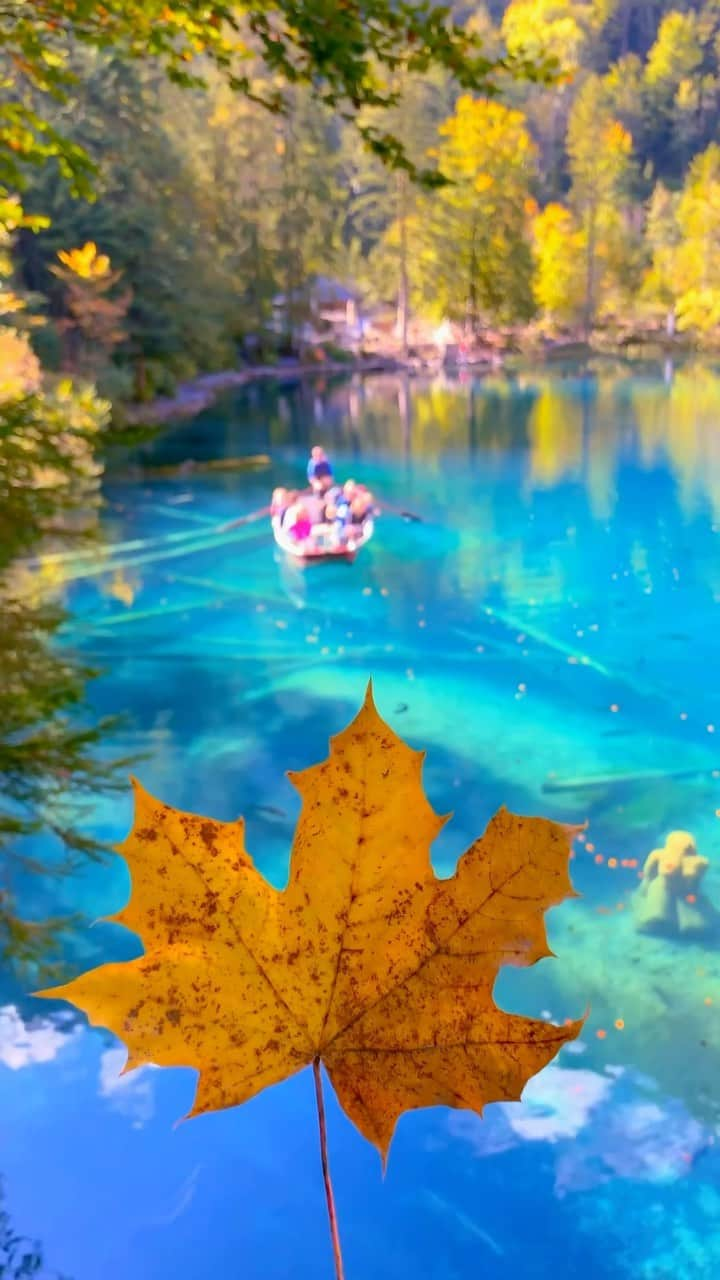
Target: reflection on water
[[577, 427], [21, 1258], [40, 1039], [547, 631], [600, 1127], [49, 489], [131, 1095]]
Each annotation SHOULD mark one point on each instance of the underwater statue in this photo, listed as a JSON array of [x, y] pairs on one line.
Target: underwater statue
[[669, 900]]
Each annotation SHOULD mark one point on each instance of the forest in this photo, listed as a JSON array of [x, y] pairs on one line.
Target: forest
[[179, 225]]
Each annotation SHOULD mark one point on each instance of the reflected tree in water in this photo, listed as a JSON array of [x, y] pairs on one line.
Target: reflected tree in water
[[49, 493], [20, 1257]]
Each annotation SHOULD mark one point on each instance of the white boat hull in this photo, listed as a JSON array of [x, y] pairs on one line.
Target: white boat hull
[[318, 548]]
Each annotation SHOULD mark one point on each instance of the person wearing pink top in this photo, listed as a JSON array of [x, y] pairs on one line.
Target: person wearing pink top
[[299, 523]]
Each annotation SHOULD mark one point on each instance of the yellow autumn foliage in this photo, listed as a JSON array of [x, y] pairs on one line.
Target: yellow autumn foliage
[[20, 372], [547, 28], [559, 254], [86, 263]]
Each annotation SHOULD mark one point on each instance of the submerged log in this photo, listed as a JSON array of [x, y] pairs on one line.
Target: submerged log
[[602, 781], [191, 466]]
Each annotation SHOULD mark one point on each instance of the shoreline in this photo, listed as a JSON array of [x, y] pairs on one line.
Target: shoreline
[[199, 393]]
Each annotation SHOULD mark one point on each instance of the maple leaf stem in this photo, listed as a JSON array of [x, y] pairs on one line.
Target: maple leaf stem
[[332, 1216]]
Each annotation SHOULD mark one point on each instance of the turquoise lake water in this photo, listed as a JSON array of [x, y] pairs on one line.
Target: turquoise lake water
[[549, 632]]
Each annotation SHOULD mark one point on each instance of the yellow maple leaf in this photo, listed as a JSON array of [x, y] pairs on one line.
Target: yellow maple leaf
[[366, 961], [86, 263]]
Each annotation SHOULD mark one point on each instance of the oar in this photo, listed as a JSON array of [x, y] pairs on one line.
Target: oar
[[404, 515], [248, 519]]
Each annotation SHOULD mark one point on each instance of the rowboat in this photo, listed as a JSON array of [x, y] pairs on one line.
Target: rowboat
[[320, 545]]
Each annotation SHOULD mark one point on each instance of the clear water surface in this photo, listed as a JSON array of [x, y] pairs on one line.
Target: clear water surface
[[549, 633]]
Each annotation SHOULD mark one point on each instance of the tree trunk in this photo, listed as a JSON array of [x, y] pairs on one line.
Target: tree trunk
[[403, 290], [293, 278], [589, 308], [472, 313], [255, 268], [140, 389]]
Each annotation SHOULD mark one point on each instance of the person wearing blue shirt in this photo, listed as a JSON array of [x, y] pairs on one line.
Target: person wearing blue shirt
[[319, 470]]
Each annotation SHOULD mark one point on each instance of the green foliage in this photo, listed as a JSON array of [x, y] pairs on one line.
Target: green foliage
[[145, 219], [49, 488], [347, 54], [219, 214]]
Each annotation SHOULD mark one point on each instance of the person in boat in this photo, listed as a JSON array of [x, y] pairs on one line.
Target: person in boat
[[332, 496], [338, 509], [280, 502], [362, 505], [314, 504], [337, 515], [298, 522], [319, 470]]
